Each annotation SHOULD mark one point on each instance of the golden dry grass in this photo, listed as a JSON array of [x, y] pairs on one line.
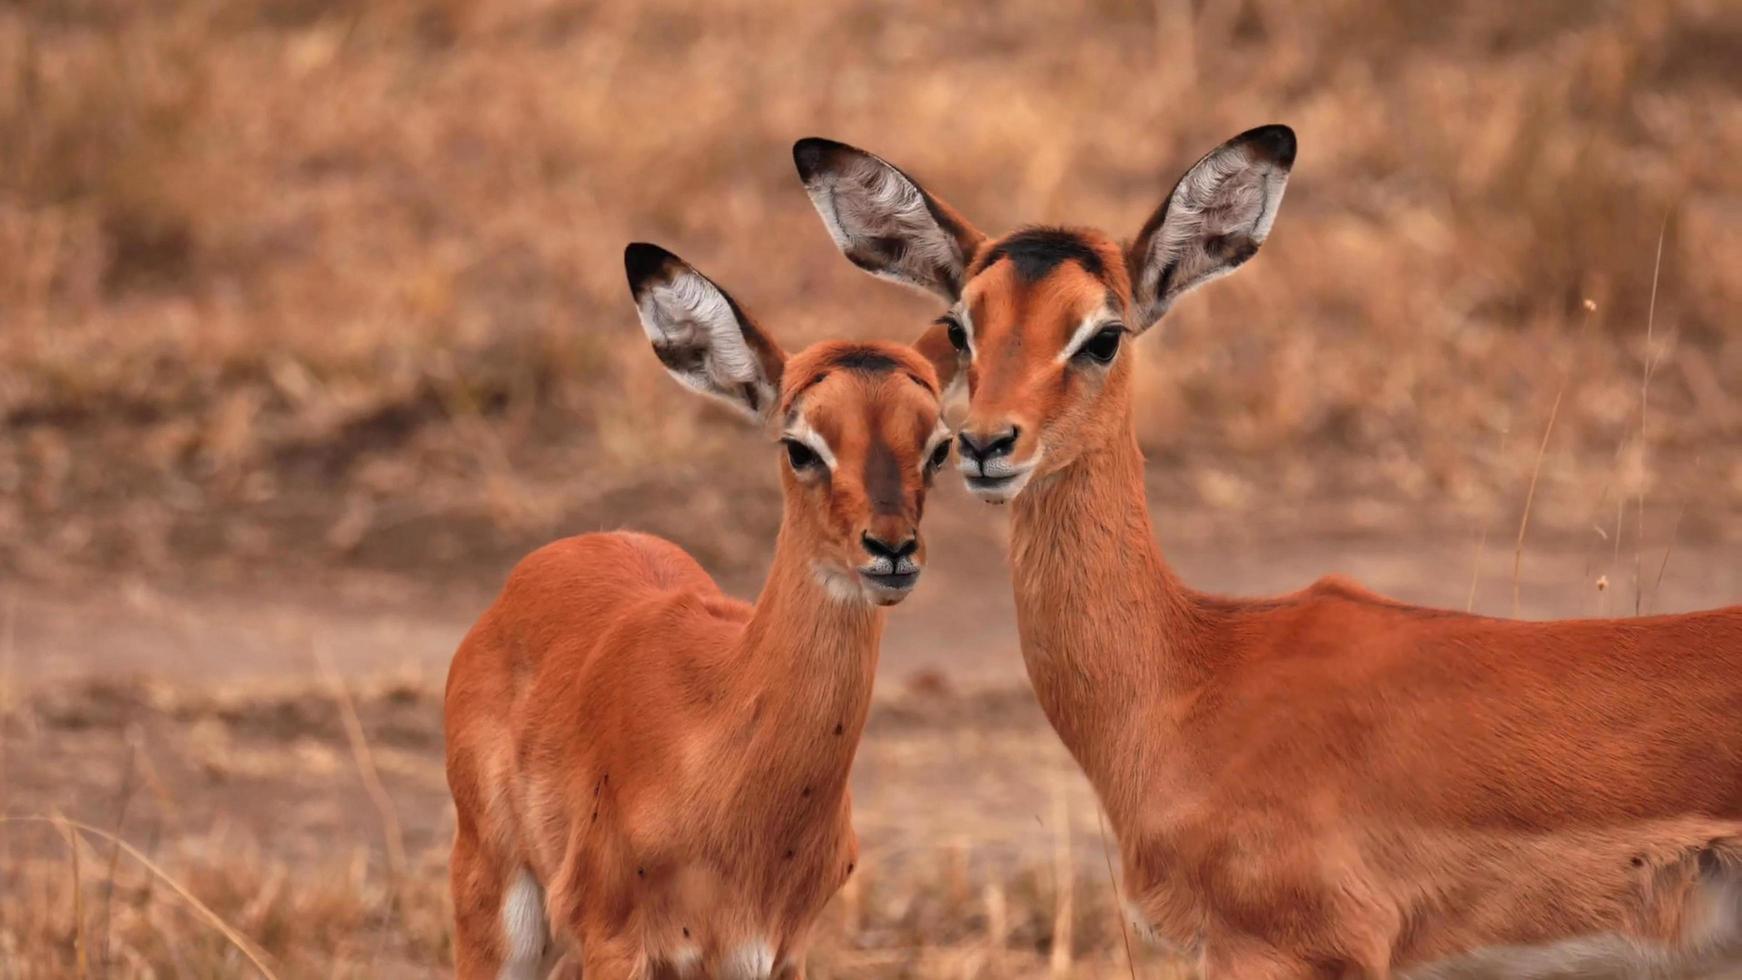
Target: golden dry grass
[[322, 278], [249, 798]]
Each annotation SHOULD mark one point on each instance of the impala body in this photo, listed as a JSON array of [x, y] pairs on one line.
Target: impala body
[[648, 769], [1328, 783]]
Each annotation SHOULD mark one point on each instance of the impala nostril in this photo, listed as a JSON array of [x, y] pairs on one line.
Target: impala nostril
[[982, 448], [878, 548]]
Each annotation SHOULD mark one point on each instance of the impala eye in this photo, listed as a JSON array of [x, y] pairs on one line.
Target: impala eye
[[1102, 346], [958, 334], [939, 456], [801, 456]]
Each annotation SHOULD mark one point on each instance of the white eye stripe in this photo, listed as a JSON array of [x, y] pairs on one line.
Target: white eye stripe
[[800, 431], [1092, 324], [960, 313], [939, 436]]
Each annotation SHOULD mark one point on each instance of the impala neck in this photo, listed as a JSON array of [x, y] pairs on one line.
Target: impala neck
[[1108, 631], [808, 660]]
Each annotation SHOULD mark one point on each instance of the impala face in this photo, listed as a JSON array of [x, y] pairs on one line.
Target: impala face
[[1040, 320], [1038, 332], [858, 425]]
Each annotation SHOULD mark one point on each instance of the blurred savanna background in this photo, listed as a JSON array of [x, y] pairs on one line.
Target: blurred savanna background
[[313, 320]]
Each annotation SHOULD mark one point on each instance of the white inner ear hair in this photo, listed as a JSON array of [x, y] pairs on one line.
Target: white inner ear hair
[[866, 203], [701, 341], [1228, 194]]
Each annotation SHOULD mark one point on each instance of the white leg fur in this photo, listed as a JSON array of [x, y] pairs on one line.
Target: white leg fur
[[751, 961], [525, 932]]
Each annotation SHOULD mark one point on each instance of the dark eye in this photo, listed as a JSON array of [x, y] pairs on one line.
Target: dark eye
[[1102, 346], [801, 456], [940, 455], [957, 333]]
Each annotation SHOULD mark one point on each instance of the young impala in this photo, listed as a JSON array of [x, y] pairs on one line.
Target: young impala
[[656, 770], [1328, 783]]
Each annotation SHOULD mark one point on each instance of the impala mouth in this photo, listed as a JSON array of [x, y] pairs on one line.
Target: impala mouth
[[887, 588], [999, 489]]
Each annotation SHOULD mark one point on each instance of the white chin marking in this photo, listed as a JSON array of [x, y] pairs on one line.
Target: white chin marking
[[751, 961], [840, 584], [1003, 491], [524, 932]]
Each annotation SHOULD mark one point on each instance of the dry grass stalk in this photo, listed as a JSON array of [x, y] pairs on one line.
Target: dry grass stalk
[[997, 903], [123, 799], [8, 638], [392, 836], [1482, 537], [1476, 568], [1530, 498], [1644, 405], [1064, 877], [81, 942], [67, 828], [1615, 554], [1113, 891], [1674, 531]]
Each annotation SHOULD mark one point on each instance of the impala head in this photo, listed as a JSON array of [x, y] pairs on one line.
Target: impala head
[[1039, 319], [857, 423]]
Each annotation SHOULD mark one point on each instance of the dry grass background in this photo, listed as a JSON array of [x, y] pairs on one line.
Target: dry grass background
[[294, 286], [247, 796], [318, 277]]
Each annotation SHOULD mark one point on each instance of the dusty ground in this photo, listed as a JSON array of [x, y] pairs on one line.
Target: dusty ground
[[204, 723]]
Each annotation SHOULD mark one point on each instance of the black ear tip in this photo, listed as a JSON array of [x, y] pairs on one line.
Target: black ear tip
[[1275, 143], [813, 153], [643, 262]]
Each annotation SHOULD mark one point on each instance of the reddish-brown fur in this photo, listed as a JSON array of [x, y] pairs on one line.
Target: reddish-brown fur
[[667, 763], [1330, 783]]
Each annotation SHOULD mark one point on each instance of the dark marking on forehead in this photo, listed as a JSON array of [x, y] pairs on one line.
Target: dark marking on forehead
[[863, 359], [868, 360], [883, 478], [1035, 252]]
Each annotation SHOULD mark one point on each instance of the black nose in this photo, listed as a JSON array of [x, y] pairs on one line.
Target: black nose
[[883, 549], [987, 447]]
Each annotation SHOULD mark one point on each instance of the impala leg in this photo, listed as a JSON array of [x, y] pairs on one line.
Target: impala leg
[[568, 967], [614, 959], [499, 922], [1254, 960], [1260, 961], [477, 890]]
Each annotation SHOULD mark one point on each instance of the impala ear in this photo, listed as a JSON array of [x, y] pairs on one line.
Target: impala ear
[[1215, 219], [883, 221], [934, 345], [702, 336]]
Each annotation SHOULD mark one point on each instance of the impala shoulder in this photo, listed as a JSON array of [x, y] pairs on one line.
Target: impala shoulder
[[1343, 588], [1334, 591]]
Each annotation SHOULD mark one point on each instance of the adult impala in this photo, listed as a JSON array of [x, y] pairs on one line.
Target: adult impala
[[1327, 783], [658, 770]]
